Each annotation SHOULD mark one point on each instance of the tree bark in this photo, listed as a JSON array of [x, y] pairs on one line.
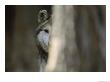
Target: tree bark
[[63, 53]]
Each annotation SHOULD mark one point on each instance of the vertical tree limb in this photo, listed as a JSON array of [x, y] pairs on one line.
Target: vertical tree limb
[[63, 54]]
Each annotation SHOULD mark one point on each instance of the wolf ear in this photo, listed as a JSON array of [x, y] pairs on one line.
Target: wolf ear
[[42, 16]]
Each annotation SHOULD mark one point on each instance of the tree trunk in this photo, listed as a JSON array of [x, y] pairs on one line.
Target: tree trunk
[[63, 53]]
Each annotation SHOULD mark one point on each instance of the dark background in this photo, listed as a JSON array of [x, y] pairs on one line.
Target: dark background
[[20, 47], [21, 53]]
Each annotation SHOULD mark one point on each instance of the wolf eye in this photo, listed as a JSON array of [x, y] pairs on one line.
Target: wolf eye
[[46, 30]]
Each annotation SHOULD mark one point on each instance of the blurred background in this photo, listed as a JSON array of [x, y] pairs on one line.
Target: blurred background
[[21, 53], [20, 46]]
